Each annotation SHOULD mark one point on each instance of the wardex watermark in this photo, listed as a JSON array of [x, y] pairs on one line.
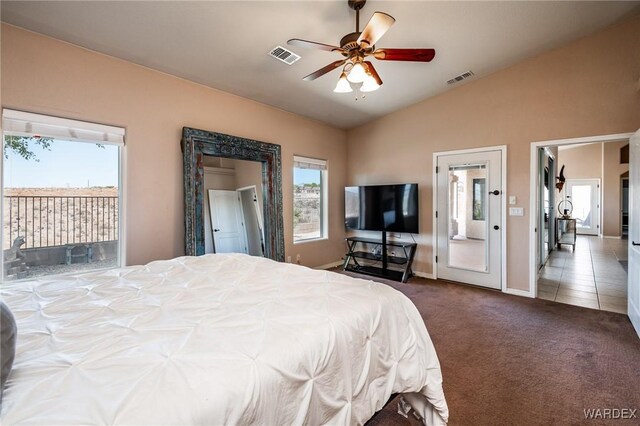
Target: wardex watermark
[[610, 413]]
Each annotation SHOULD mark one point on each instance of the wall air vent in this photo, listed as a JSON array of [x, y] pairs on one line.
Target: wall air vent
[[460, 77], [284, 55]]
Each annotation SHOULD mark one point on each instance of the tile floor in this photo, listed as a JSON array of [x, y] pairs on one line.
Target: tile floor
[[592, 276]]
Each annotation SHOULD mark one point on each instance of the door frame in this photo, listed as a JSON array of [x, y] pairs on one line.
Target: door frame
[[533, 197], [258, 212], [565, 189], [503, 209], [539, 207]]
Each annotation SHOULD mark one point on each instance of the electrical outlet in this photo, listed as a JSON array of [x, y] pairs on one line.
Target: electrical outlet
[[288, 259]]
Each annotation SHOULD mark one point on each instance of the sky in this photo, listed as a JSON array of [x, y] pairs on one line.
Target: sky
[[301, 176], [67, 165]]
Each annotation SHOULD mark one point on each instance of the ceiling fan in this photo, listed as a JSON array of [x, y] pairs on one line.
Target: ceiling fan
[[357, 46]]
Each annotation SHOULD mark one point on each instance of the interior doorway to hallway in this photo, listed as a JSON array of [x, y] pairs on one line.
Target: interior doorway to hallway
[[584, 260]]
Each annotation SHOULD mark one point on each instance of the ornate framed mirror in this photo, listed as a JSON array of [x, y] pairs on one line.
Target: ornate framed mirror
[[196, 144]]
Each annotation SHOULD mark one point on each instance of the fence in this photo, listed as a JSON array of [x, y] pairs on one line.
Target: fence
[[47, 221]]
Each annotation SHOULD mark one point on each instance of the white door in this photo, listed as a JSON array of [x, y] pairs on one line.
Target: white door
[[584, 194], [633, 307], [227, 222], [468, 209]]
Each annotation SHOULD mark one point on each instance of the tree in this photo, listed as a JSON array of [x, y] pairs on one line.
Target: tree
[[20, 145]]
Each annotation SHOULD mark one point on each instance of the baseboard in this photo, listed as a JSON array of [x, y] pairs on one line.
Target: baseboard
[[330, 265], [424, 275], [517, 292], [611, 237]]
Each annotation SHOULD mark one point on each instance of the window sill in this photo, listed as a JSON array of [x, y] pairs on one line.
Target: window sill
[[311, 240]]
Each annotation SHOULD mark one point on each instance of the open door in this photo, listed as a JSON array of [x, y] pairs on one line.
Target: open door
[[633, 307]]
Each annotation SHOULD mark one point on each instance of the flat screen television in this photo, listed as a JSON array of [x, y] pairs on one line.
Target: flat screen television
[[391, 208]]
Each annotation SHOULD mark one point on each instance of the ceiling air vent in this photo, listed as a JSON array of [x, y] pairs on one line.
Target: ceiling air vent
[[460, 77], [284, 55]]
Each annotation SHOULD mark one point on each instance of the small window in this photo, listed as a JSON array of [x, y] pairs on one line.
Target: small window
[[61, 195], [309, 199], [479, 191]]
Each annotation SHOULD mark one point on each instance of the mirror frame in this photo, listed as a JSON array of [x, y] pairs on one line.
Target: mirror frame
[[198, 143]]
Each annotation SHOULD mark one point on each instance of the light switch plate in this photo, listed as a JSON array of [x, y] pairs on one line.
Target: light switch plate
[[512, 199], [516, 211]]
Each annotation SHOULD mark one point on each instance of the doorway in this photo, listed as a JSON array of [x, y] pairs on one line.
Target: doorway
[[252, 214], [597, 274], [584, 196], [624, 208], [227, 222], [547, 211], [469, 204]]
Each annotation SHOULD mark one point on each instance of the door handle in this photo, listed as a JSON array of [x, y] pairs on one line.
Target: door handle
[[216, 230], [494, 192], [635, 244], [496, 227]]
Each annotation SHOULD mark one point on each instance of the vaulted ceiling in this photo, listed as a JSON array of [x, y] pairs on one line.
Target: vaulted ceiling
[[225, 44]]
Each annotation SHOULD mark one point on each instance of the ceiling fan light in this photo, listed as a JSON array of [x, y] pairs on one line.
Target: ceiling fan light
[[369, 85], [343, 85], [357, 73]]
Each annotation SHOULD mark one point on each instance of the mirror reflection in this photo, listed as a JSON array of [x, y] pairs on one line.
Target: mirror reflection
[[233, 206]]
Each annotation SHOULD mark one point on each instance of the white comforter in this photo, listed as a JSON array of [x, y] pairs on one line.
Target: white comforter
[[216, 339]]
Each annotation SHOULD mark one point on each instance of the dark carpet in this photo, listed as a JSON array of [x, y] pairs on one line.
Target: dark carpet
[[509, 360]]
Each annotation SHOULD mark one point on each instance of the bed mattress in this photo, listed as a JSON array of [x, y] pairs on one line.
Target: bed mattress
[[216, 339]]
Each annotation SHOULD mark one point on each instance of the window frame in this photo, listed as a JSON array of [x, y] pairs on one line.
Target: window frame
[[115, 137], [324, 195]]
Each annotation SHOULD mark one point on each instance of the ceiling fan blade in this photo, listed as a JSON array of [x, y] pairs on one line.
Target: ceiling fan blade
[[414, 55], [373, 72], [379, 23], [313, 45], [324, 70]]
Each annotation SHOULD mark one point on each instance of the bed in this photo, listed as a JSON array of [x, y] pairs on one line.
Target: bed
[[216, 339]]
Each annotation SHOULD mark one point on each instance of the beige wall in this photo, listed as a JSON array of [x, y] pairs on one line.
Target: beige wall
[[589, 87], [581, 162], [599, 161], [43, 75]]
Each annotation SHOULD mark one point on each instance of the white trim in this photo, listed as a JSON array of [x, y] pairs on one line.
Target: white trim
[[330, 265], [20, 123], [434, 218], [219, 171], [533, 186], [503, 224], [611, 237], [122, 211]]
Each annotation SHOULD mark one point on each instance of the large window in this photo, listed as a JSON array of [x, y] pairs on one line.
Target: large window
[[61, 195], [309, 199]]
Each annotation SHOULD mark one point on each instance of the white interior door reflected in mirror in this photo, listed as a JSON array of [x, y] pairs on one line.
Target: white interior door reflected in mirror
[[227, 222]]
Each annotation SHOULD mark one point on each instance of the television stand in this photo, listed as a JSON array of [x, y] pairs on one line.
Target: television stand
[[403, 257]]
